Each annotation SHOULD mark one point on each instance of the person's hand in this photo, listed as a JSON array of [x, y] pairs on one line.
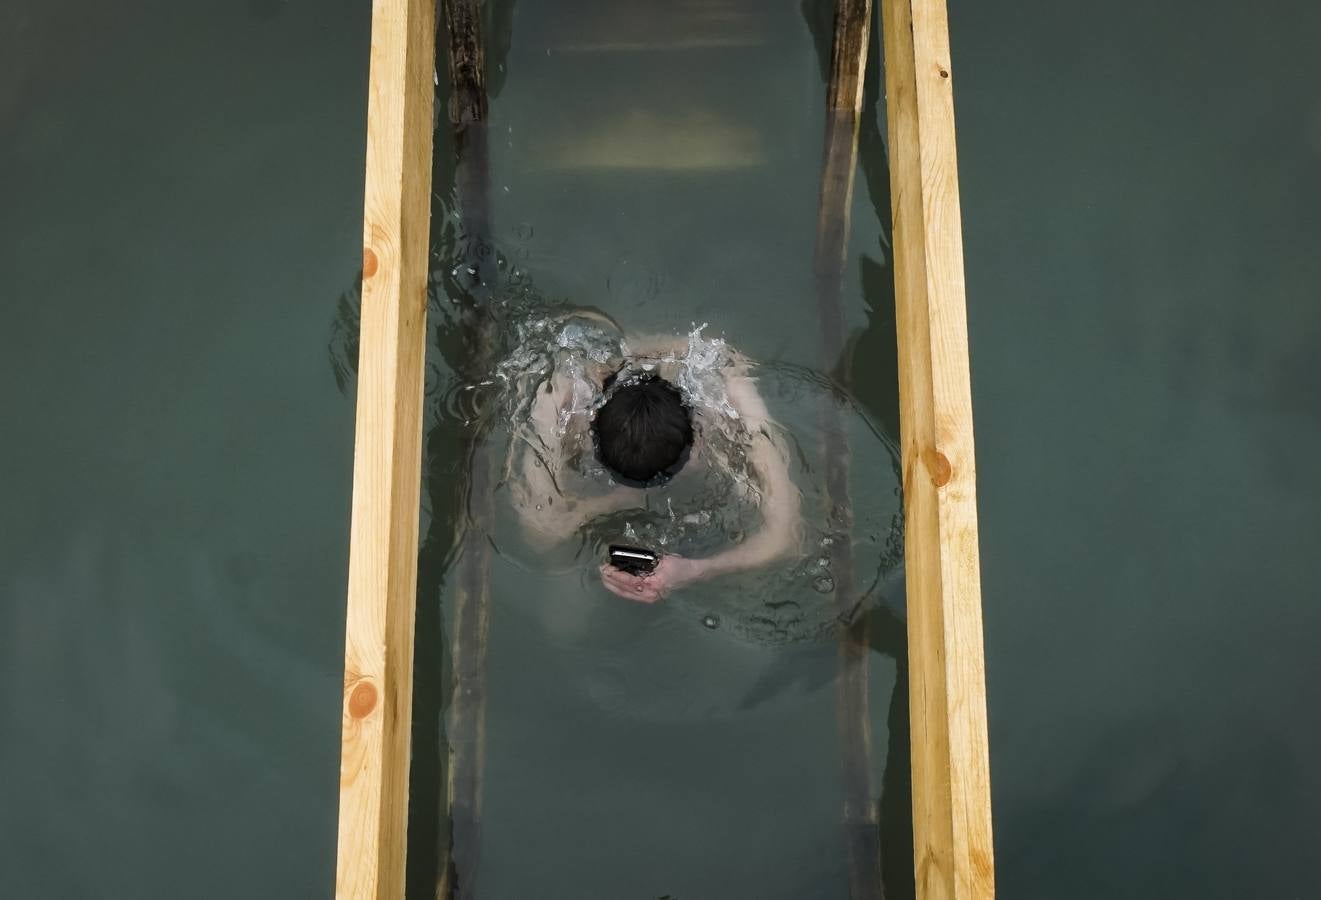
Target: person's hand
[[670, 573]]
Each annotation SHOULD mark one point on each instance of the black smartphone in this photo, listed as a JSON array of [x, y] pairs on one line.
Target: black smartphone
[[633, 560]]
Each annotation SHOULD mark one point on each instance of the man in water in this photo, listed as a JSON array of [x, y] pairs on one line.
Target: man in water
[[649, 436]]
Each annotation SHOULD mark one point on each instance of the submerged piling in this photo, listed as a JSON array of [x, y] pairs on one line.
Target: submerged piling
[[852, 29], [466, 716]]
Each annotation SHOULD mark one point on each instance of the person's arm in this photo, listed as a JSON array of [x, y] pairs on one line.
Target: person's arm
[[780, 505], [536, 490], [780, 500], [547, 513]]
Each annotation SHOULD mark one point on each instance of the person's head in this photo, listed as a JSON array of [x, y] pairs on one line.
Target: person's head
[[643, 431]]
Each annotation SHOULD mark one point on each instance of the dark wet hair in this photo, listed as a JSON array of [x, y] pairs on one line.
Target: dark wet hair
[[644, 431]]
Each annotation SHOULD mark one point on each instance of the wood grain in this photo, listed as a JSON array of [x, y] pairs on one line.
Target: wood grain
[[953, 854], [378, 651]]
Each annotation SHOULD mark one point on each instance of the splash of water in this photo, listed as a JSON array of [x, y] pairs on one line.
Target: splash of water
[[548, 347], [700, 374], [714, 507]]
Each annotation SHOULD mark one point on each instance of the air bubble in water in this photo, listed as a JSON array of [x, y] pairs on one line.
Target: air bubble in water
[[711, 621], [823, 584]]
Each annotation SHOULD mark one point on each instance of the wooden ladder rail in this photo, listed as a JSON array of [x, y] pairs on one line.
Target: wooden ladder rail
[[378, 651], [848, 55], [953, 854], [468, 110]]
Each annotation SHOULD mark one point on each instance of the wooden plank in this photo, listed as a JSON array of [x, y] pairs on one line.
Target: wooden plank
[[848, 57], [378, 651], [953, 854]]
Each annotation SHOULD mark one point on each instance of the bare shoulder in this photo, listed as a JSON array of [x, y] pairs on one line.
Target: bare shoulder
[[744, 394], [657, 345], [550, 400]]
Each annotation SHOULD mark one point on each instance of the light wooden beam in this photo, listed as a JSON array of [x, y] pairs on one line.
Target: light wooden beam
[[378, 650], [953, 854]]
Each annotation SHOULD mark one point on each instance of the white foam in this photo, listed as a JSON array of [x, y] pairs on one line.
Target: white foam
[[700, 377]]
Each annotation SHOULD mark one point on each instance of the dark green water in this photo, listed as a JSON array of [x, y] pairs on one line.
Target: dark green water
[[181, 210]]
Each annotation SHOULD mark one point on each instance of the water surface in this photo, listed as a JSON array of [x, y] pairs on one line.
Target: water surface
[[672, 184], [182, 206]]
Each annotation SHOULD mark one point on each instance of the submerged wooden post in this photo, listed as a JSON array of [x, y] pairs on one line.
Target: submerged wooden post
[[466, 717], [848, 56], [378, 649], [952, 849], [848, 62]]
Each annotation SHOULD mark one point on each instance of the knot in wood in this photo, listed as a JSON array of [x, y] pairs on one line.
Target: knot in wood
[[362, 700], [938, 466]]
